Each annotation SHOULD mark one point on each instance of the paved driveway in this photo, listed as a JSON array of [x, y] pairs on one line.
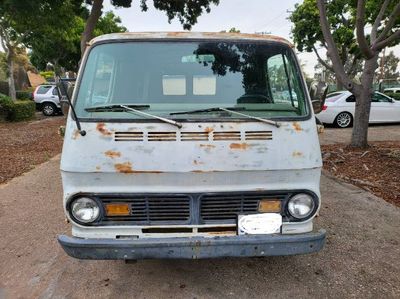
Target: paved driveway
[[361, 258], [333, 135]]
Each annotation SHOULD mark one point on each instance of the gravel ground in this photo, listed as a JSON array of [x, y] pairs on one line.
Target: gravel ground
[[360, 260]]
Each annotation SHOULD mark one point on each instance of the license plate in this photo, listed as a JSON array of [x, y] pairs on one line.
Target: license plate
[[259, 224]]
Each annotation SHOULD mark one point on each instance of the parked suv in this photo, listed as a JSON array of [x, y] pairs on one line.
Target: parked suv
[[46, 99]]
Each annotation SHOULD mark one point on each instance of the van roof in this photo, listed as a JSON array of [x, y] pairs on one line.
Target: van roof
[[189, 35]]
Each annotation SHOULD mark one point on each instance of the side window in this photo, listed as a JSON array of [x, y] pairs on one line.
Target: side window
[[351, 99], [379, 98], [43, 89], [55, 92]]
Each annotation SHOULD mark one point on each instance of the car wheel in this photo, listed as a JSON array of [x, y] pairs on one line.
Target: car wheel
[[344, 120], [49, 109]]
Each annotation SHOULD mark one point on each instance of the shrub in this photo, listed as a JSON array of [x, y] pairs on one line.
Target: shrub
[[24, 95], [17, 111], [48, 75]]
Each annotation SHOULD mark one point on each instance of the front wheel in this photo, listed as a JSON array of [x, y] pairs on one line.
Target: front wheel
[[49, 109], [344, 120]]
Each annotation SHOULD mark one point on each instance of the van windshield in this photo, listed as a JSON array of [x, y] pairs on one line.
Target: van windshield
[[261, 78]]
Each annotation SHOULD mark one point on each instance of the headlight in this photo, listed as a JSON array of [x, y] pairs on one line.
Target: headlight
[[85, 209], [301, 205]]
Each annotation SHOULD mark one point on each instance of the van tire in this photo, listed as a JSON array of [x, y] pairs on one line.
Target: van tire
[[49, 109]]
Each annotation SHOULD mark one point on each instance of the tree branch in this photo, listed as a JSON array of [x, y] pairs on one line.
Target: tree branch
[[321, 61], [378, 20], [390, 23], [332, 49], [360, 23], [383, 44]]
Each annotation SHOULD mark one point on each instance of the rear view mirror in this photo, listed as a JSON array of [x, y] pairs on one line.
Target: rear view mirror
[[67, 87], [64, 105], [318, 92]]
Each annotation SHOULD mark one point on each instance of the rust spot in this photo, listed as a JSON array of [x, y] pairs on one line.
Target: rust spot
[[76, 134], [98, 168], [124, 167], [208, 130], [260, 189], [297, 154], [112, 154], [197, 171], [297, 127], [239, 146], [195, 162], [101, 127], [127, 168], [207, 145]]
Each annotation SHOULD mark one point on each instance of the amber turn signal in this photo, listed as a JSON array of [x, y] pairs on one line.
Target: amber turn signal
[[269, 206], [117, 209]]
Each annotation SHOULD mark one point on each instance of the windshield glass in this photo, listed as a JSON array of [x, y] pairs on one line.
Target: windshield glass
[[166, 77]]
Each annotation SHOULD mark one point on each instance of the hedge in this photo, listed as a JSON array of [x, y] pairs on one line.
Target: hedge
[[393, 95], [17, 111], [24, 95]]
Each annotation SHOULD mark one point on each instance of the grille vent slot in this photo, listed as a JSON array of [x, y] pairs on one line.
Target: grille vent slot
[[227, 207], [155, 209], [194, 136], [258, 135], [228, 135], [161, 136], [128, 136]]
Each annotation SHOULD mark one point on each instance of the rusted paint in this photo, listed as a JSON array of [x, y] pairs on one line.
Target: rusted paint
[[297, 154], [208, 129], [297, 127], [127, 168], [98, 168], [76, 134], [195, 162], [239, 146], [112, 154], [124, 167], [101, 127], [207, 145]]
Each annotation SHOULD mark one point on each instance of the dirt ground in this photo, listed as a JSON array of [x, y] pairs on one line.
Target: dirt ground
[[360, 258], [24, 145], [376, 169]]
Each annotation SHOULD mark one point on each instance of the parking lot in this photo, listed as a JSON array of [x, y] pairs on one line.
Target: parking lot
[[360, 259]]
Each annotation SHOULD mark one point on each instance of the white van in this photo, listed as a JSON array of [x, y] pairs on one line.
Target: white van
[[176, 147]]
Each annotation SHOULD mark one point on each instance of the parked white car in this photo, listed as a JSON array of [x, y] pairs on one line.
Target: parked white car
[[339, 109], [392, 89], [46, 99]]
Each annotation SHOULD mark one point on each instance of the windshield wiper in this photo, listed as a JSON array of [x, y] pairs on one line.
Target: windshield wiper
[[170, 121], [230, 110], [115, 108], [206, 110]]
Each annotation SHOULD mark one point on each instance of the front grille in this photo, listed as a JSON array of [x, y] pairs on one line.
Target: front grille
[[222, 207], [190, 209], [155, 210]]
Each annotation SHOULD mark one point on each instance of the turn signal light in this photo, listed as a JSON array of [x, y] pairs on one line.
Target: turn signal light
[[269, 206], [117, 209]]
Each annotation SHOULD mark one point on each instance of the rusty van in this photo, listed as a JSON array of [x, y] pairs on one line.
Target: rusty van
[[190, 145]]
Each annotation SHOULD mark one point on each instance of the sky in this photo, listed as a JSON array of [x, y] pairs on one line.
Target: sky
[[248, 16]]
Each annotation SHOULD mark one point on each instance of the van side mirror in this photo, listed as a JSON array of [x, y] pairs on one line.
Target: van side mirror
[[318, 94]]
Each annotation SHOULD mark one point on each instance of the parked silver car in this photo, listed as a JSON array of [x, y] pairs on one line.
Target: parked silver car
[[47, 99]]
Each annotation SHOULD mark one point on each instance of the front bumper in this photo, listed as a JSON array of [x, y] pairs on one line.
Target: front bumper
[[193, 248]]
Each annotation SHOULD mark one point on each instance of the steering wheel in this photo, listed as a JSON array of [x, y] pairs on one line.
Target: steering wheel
[[244, 99]]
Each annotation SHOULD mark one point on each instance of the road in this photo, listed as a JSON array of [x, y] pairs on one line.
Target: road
[[361, 257], [381, 132]]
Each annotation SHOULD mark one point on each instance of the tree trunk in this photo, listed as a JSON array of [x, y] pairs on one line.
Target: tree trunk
[[359, 137], [91, 22], [339, 85], [11, 82]]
